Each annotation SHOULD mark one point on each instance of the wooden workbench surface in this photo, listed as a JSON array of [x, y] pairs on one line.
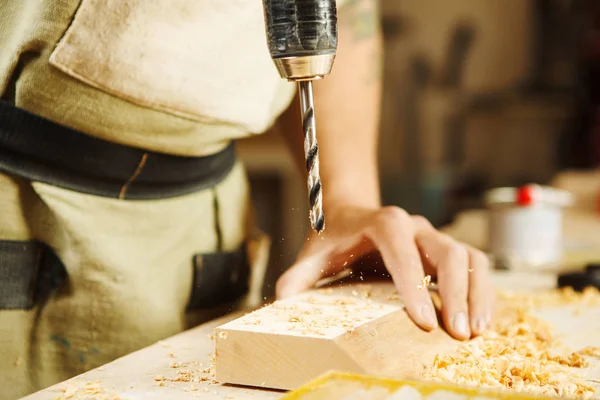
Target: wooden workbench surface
[[170, 369], [152, 373]]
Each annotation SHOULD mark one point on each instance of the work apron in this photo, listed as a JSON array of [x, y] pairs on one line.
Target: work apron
[[112, 236]]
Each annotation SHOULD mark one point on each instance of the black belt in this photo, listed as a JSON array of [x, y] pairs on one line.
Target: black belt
[[40, 150]]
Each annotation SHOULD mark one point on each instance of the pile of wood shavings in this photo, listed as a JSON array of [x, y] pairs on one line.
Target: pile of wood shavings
[[313, 322], [318, 314], [519, 352], [317, 318], [193, 373], [90, 390], [590, 297]]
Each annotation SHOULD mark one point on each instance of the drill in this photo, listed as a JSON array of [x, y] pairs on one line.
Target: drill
[[302, 38]]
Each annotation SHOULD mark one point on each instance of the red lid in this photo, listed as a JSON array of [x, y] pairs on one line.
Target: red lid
[[525, 195]]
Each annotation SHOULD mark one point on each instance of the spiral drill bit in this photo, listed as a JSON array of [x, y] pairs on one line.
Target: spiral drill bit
[[311, 153], [302, 37]]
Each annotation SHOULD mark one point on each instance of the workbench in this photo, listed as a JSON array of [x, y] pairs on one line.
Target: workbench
[[171, 369], [167, 370]]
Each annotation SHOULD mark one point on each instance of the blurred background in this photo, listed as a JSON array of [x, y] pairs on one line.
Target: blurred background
[[478, 94]]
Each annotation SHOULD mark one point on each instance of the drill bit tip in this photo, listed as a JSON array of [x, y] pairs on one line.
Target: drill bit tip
[[319, 224]]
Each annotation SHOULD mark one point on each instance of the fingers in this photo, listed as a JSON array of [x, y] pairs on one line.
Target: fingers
[[481, 293], [302, 275], [392, 233], [316, 262], [463, 278], [451, 262]]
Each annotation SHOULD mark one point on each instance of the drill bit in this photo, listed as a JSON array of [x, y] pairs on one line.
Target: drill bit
[[311, 153]]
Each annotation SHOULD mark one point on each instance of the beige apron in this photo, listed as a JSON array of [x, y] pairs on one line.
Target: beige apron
[[152, 74]]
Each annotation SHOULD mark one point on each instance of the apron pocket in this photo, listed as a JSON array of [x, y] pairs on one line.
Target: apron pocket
[[29, 272], [219, 278]]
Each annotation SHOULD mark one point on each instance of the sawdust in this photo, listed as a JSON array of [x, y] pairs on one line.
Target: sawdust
[[590, 297], [425, 282], [519, 352], [590, 351], [87, 391], [310, 323], [192, 372], [317, 314]]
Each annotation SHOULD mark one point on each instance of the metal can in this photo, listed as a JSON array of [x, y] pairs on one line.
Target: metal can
[[525, 226]]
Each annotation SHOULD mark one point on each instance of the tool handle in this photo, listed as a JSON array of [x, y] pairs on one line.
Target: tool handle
[[297, 28]]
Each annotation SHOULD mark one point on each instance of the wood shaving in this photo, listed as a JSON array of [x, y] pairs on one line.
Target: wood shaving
[[590, 351], [189, 373], [89, 391], [312, 322], [590, 297], [424, 282], [519, 352], [252, 321], [192, 388], [324, 312]]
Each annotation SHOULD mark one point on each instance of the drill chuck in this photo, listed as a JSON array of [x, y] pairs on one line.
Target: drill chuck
[[302, 37]]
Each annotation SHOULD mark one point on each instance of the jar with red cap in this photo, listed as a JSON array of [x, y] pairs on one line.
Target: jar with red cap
[[525, 226]]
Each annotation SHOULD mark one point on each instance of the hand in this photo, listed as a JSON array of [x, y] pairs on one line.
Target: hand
[[410, 248]]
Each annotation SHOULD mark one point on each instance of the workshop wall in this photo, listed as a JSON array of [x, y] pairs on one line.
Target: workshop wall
[[471, 101]]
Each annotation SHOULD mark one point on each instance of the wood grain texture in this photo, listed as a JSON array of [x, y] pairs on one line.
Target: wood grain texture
[[360, 329]]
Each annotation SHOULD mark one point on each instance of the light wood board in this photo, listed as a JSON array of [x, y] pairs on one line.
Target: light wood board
[[292, 342], [360, 329]]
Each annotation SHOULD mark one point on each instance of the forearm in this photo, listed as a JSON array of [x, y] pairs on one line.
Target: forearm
[[347, 105]]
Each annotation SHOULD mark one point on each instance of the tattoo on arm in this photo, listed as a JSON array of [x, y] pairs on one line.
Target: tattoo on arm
[[362, 17]]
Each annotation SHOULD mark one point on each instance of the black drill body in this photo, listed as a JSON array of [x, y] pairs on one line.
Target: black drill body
[[301, 27]]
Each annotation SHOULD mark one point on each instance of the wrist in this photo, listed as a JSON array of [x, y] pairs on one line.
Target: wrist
[[352, 191]]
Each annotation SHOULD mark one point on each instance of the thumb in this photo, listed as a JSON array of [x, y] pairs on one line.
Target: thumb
[[303, 275]]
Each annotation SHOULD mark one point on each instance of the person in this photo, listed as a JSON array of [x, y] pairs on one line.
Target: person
[[125, 214]]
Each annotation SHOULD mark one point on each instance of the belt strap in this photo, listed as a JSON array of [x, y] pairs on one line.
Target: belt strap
[[38, 149]]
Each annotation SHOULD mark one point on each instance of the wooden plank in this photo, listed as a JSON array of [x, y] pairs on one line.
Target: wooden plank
[[361, 329]]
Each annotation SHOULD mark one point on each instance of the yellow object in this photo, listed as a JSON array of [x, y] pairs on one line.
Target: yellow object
[[338, 386]]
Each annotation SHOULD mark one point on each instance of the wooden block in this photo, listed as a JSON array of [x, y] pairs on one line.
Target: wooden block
[[358, 329]]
